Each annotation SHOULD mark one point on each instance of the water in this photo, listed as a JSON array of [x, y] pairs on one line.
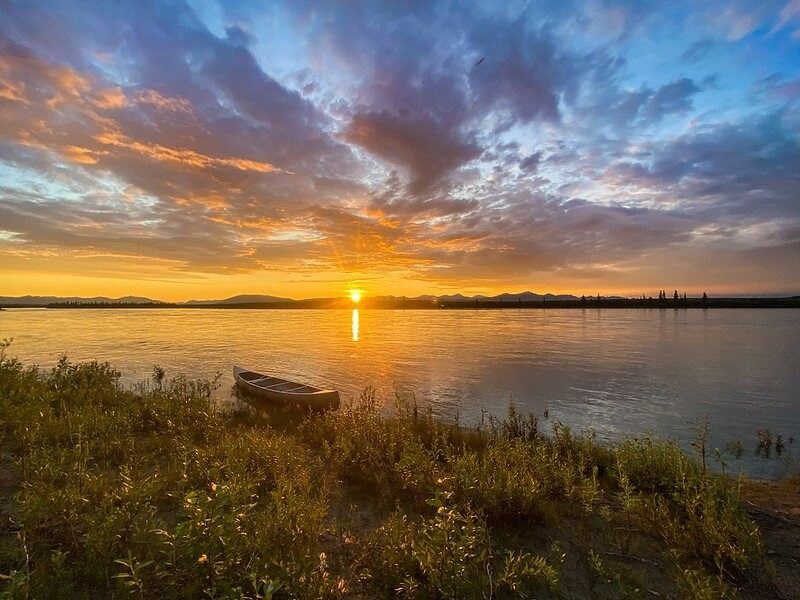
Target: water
[[619, 372]]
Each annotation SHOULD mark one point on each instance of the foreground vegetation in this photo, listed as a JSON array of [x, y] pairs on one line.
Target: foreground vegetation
[[157, 492]]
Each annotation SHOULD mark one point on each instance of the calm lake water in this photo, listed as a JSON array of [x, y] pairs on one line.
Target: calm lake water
[[619, 372]]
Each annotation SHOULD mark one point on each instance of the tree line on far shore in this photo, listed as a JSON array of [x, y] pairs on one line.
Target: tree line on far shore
[[662, 296]]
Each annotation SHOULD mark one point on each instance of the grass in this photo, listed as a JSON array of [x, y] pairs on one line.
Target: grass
[[157, 492]]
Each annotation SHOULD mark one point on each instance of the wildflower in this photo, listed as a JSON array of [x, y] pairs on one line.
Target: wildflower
[[203, 559]]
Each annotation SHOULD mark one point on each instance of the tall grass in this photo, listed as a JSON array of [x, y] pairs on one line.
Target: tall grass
[[157, 492]]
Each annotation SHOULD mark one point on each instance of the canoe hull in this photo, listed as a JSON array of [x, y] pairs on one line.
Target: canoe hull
[[316, 400]]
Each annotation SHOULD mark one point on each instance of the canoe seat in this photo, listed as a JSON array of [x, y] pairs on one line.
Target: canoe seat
[[286, 386], [267, 380]]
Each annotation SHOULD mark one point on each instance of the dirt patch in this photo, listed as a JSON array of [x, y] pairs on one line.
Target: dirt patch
[[775, 507]]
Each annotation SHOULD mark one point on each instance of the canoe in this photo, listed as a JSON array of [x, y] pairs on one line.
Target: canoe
[[283, 391]]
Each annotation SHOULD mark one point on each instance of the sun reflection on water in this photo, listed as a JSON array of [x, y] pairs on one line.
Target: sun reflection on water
[[355, 324]]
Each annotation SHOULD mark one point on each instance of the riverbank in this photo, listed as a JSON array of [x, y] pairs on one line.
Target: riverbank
[[155, 491]]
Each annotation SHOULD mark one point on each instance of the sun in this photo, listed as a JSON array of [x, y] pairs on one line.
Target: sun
[[355, 296]]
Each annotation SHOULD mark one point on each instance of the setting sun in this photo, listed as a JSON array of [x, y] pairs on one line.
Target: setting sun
[[355, 296]]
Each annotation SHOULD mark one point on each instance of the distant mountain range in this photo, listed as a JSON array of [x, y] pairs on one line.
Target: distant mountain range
[[521, 297], [45, 300]]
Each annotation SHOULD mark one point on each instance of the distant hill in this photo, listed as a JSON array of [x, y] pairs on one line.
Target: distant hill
[[45, 300], [241, 299], [457, 298], [48, 300], [507, 297], [531, 297]]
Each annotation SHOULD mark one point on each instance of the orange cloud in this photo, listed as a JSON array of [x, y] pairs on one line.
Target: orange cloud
[[69, 83], [182, 155], [213, 202], [84, 156], [154, 98], [110, 98], [11, 90]]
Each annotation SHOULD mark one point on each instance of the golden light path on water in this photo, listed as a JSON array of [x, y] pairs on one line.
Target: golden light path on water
[[620, 372]]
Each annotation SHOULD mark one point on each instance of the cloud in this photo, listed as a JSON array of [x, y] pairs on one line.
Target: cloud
[[425, 147], [530, 235], [729, 171], [154, 98], [166, 136], [531, 162], [790, 15], [675, 97], [611, 106], [444, 142], [183, 156], [698, 50], [523, 70]]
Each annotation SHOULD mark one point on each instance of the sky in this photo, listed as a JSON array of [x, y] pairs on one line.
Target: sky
[[204, 148]]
